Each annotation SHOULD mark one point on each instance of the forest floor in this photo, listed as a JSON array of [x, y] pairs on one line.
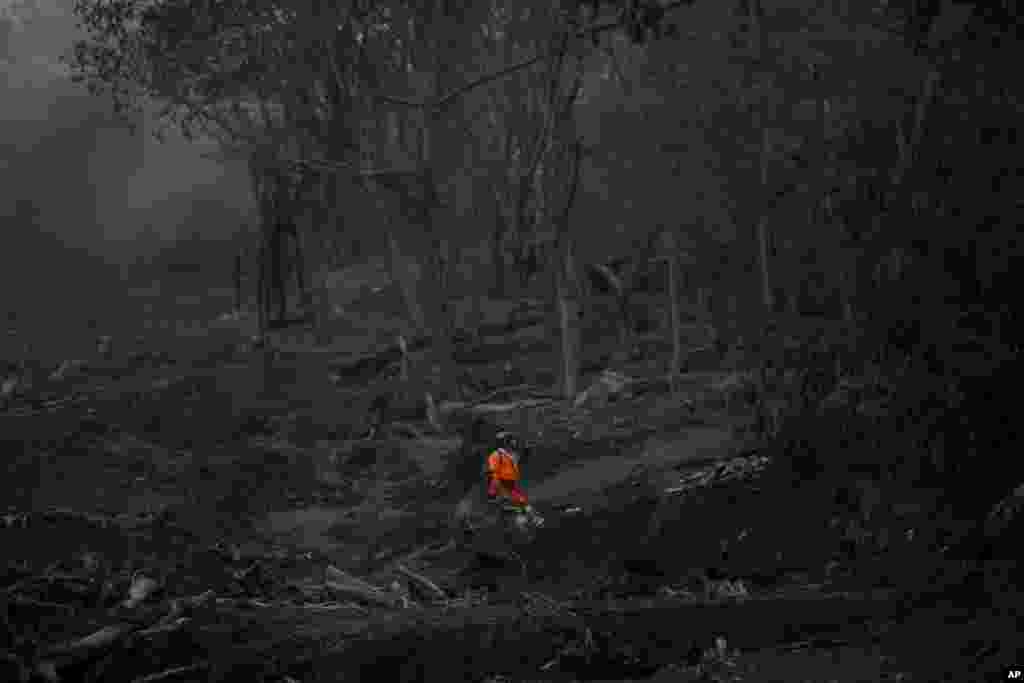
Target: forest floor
[[676, 548]]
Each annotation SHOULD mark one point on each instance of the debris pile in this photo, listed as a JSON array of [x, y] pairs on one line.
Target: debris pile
[[741, 468], [114, 614]]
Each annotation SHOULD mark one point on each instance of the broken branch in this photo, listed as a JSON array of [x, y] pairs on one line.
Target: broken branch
[[170, 673], [421, 581]]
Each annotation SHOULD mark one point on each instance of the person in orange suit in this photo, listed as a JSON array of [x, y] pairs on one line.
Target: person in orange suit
[[503, 476]]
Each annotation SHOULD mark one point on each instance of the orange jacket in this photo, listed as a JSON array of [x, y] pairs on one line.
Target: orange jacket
[[502, 465]]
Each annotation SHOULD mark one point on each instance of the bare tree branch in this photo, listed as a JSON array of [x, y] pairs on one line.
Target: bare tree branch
[[448, 98]]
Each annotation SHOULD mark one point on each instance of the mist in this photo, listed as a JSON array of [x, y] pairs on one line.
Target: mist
[[83, 198]]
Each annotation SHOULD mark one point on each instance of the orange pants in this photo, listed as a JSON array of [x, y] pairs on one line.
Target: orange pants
[[507, 489]]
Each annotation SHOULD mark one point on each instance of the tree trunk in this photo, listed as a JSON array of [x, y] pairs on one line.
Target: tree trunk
[[237, 281], [321, 306], [278, 277], [263, 288], [849, 291], [673, 297], [497, 251], [908, 142], [732, 313], [763, 238], [263, 267], [441, 311], [320, 258], [443, 263], [403, 272], [763, 235], [299, 266], [625, 327], [622, 297], [445, 354], [567, 284], [568, 318], [754, 16], [319, 295], [336, 255]]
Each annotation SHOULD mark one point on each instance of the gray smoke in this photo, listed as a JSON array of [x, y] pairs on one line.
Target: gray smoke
[[81, 196]]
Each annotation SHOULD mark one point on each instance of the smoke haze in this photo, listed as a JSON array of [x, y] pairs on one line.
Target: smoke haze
[[81, 196]]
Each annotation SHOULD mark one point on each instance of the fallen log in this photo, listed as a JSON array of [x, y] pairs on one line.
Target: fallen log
[[525, 391], [171, 673], [429, 551], [373, 597], [134, 619], [347, 585], [448, 407], [164, 628], [332, 573], [334, 607], [421, 581], [63, 655]]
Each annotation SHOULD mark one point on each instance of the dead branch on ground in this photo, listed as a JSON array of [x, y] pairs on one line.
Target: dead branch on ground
[[171, 673], [421, 581], [345, 584]]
